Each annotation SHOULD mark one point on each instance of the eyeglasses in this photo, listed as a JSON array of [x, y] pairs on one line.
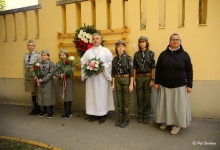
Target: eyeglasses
[[175, 40]]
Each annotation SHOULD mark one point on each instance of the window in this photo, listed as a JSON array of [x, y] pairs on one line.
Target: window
[[14, 26], [4, 28], [37, 24], [202, 11], [143, 14], [162, 4], [181, 13], [63, 7]]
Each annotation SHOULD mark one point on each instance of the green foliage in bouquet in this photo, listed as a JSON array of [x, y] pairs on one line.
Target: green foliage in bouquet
[[67, 67]]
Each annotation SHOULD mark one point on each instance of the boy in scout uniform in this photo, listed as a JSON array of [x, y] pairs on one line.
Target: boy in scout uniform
[[30, 59], [144, 75], [122, 80]]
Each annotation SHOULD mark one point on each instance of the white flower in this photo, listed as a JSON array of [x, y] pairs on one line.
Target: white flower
[[87, 35], [85, 40], [80, 36], [96, 65], [37, 64], [71, 58], [88, 67], [81, 31], [91, 68], [84, 34]]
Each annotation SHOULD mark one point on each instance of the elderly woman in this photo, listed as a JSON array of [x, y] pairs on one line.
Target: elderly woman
[[173, 82]]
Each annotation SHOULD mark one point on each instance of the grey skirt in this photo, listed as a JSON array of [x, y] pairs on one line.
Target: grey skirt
[[173, 106]]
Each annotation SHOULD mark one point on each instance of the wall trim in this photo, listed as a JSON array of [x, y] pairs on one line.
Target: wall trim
[[63, 2], [34, 7]]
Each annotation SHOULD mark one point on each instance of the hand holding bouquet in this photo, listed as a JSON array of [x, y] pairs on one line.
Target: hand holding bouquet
[[93, 67], [67, 67], [37, 73]]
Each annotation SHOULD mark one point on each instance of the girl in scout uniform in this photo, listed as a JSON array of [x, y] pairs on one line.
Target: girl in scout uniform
[[46, 90], [31, 58], [122, 80], [65, 91], [144, 73]]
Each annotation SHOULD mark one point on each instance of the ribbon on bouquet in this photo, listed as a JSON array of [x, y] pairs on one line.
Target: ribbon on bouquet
[[37, 80], [64, 85]]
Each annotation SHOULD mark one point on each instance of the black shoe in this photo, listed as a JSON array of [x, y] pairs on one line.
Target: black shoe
[[93, 118], [50, 115], [42, 114], [118, 123], [37, 111], [124, 124], [140, 120], [63, 116], [102, 119], [32, 111], [145, 121], [68, 116]]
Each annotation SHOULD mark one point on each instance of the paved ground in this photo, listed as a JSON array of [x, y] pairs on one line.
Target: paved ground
[[79, 134]]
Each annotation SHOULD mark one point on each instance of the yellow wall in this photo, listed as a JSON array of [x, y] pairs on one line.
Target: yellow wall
[[201, 42]]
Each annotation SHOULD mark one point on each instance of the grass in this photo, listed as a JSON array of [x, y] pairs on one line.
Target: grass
[[16, 145]]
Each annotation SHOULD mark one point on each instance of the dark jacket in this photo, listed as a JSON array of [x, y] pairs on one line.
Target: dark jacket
[[174, 69]]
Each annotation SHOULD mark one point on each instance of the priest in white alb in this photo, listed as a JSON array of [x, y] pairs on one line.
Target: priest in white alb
[[99, 96]]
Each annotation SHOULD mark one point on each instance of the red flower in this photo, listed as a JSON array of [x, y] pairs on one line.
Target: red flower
[[67, 62], [37, 67], [89, 46]]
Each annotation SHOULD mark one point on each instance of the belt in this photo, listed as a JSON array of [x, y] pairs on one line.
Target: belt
[[143, 74], [122, 75], [29, 69]]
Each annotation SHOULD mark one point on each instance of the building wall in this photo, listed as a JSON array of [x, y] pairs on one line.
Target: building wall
[[162, 18]]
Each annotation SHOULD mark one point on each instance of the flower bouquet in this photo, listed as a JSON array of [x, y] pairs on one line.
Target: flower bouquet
[[37, 73], [83, 39], [67, 67], [93, 67]]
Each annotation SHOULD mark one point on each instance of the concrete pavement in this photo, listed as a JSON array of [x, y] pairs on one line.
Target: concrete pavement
[[79, 134]]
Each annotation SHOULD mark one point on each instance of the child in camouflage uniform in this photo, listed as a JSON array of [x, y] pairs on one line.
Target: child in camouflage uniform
[[122, 80], [144, 75]]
